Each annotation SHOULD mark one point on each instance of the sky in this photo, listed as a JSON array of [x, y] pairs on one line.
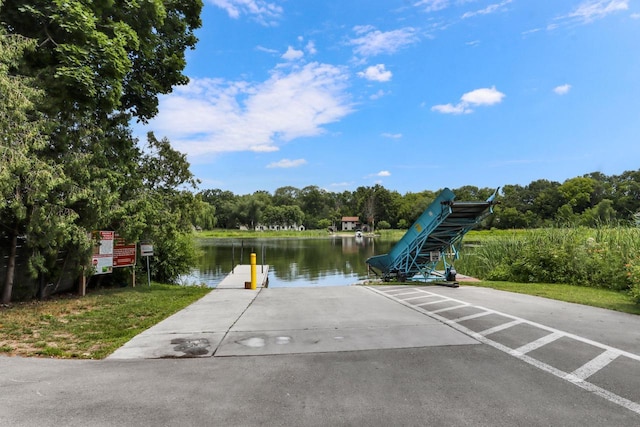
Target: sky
[[410, 94]]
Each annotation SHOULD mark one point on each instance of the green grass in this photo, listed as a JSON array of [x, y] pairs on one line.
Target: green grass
[[594, 297], [90, 327], [251, 234]]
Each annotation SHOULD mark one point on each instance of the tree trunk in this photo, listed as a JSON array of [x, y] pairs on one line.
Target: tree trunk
[[11, 267]]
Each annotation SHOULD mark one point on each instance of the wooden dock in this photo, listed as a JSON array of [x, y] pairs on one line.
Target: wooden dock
[[241, 274]]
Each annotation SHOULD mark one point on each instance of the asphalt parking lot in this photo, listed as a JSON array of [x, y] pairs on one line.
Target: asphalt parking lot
[[380, 355]]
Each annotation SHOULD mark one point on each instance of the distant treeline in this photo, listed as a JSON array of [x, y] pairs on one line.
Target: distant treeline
[[587, 200]]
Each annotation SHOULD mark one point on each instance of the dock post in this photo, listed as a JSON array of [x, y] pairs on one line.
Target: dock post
[[254, 279]]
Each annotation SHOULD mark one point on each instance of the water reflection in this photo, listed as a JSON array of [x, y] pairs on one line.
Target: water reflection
[[292, 262]]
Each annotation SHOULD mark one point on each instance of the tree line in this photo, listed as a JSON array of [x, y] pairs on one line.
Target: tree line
[[587, 200]]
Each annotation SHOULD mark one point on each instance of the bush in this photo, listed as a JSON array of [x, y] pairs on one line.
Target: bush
[[383, 225], [633, 274], [172, 258], [605, 257]]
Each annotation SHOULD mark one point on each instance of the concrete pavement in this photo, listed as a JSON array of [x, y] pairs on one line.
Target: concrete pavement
[[376, 356], [239, 322]]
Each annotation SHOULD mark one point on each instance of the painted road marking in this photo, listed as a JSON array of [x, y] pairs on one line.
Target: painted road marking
[[534, 345], [471, 316], [499, 327], [594, 365], [415, 291], [577, 377], [449, 308], [421, 296], [431, 302]]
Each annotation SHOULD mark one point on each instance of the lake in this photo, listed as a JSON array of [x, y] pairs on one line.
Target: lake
[[336, 261]]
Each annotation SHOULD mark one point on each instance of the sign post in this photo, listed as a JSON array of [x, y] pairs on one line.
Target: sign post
[[146, 250]]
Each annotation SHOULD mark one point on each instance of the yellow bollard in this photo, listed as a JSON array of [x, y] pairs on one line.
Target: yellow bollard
[[254, 280]]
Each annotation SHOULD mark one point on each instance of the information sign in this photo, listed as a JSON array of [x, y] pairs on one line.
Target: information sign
[[146, 249], [124, 255]]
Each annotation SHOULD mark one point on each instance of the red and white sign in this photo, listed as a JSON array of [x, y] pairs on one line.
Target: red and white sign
[[124, 255], [111, 251]]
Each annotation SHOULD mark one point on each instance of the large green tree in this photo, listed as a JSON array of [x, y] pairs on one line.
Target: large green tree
[[93, 66], [101, 56]]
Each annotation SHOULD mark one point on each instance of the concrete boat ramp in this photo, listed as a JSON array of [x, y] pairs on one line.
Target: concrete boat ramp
[[234, 321]]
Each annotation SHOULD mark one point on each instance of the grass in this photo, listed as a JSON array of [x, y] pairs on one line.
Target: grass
[[252, 234], [593, 297], [91, 327]]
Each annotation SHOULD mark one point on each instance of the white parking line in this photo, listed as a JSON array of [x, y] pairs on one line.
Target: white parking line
[[500, 327], [577, 377], [449, 308], [534, 345], [413, 291], [594, 365], [431, 302], [421, 296], [469, 317]]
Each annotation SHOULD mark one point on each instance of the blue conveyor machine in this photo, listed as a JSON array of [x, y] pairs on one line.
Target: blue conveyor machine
[[436, 235]]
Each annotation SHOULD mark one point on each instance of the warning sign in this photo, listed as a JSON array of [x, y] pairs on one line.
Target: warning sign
[[124, 254], [111, 251]]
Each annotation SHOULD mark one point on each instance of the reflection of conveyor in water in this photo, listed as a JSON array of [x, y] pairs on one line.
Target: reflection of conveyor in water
[[440, 227]]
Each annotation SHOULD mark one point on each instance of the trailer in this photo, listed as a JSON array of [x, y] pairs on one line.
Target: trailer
[[435, 237]]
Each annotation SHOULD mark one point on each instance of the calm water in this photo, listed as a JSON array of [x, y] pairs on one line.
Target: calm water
[[292, 262]]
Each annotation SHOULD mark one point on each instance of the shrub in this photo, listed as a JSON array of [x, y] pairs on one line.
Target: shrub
[[605, 257]]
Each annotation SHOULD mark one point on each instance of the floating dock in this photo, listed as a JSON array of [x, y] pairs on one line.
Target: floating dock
[[241, 274]]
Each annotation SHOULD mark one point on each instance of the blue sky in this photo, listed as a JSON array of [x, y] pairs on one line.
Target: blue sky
[[410, 94]]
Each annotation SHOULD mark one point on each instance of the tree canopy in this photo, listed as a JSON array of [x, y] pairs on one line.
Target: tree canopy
[[73, 75]]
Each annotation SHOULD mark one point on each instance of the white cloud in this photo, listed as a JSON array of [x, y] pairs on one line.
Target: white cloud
[[376, 73], [311, 48], [262, 11], [451, 109], [635, 16], [383, 173], [374, 42], [492, 8], [484, 96], [379, 94], [292, 54], [286, 163], [475, 98], [265, 49], [213, 115], [591, 10], [392, 135], [433, 5], [563, 89]]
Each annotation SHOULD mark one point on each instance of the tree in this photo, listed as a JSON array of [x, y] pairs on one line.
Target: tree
[[413, 205], [28, 181], [602, 213], [97, 57], [314, 202], [286, 196], [98, 64], [293, 215], [578, 193], [224, 204], [162, 209]]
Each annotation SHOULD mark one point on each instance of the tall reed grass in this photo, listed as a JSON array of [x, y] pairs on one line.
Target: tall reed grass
[[605, 257]]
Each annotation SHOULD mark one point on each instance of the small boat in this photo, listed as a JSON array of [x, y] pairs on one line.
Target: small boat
[[358, 234]]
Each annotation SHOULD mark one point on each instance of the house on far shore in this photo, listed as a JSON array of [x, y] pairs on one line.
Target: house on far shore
[[350, 223]]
